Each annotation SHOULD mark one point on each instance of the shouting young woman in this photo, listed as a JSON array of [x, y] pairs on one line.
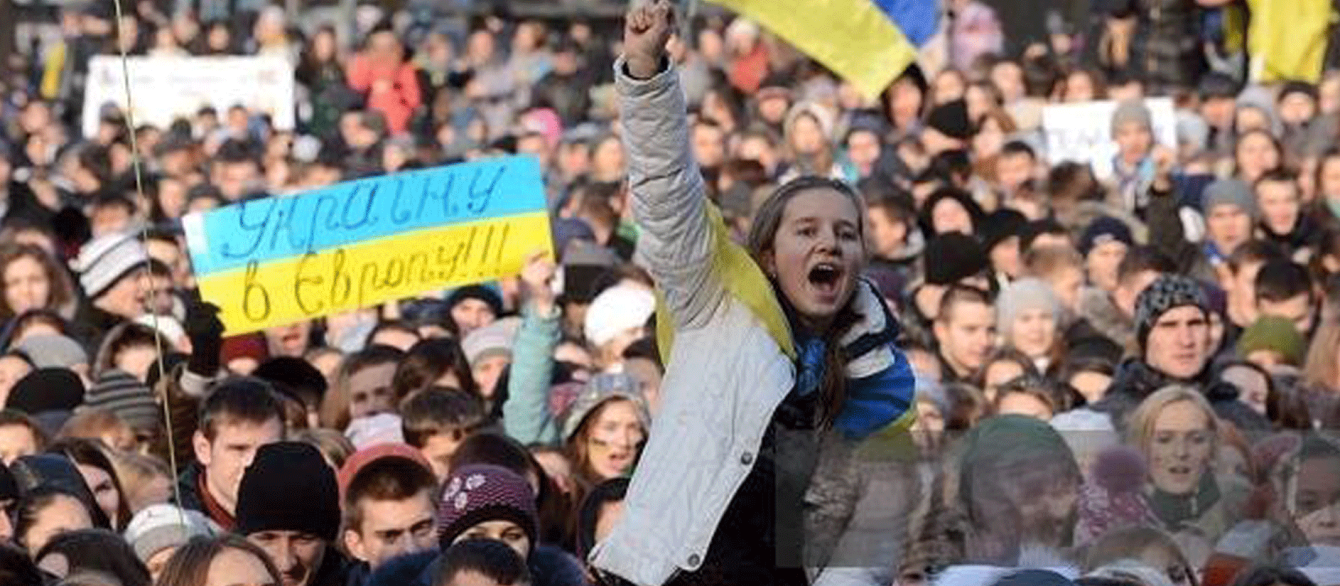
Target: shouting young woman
[[783, 391]]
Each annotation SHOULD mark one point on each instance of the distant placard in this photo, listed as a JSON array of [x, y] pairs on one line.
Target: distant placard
[[1083, 132], [166, 88], [279, 260]]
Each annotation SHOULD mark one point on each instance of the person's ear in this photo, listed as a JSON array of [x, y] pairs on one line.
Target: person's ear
[[353, 542], [201, 447], [769, 264]]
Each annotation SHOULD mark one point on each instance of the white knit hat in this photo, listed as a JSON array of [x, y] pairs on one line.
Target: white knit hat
[[494, 339], [159, 527], [617, 309], [106, 259]]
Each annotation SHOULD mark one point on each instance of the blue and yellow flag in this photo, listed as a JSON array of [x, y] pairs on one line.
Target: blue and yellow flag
[[868, 42], [279, 260]]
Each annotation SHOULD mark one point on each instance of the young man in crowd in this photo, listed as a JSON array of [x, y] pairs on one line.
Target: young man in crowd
[[389, 507], [1284, 289], [1230, 216], [237, 418], [1172, 328], [1104, 245], [1015, 165], [1284, 221], [965, 330], [435, 421], [1240, 279], [114, 273], [288, 504]]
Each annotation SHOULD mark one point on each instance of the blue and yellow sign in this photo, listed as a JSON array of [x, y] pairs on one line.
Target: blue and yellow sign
[[279, 260]]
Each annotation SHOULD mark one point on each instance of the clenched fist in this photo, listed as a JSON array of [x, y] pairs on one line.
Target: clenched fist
[[646, 31]]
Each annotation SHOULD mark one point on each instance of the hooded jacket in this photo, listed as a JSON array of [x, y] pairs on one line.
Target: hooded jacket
[[730, 352]]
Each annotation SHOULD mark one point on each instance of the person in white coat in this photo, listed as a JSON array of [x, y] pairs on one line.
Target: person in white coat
[[785, 405]]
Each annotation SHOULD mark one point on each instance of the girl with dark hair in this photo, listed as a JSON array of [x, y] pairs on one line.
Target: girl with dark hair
[[779, 355], [96, 550], [501, 450], [45, 512], [100, 475]]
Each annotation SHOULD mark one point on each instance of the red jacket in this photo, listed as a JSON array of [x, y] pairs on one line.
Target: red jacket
[[393, 91]]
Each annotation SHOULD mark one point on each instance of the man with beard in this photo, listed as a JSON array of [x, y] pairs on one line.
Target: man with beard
[[289, 505]]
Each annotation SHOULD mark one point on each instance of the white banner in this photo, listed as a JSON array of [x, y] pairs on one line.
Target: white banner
[[166, 88], [1083, 132]]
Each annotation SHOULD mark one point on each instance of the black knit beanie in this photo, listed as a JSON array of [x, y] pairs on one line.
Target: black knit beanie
[[46, 389], [289, 487], [952, 257]]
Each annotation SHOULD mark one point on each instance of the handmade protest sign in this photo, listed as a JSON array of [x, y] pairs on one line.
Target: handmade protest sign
[[1083, 132], [167, 88], [279, 260]]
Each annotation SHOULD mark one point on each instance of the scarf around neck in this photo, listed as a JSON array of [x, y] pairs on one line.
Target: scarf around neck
[[1176, 510]]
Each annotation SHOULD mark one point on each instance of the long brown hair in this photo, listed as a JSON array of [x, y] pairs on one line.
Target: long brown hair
[[762, 234], [189, 565], [575, 448], [92, 452], [62, 288]]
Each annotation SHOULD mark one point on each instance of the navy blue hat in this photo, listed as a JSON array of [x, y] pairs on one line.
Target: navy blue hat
[[479, 292], [1000, 225], [1103, 230], [568, 229]]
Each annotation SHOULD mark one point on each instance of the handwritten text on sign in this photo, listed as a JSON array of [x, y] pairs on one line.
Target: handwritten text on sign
[[278, 260]]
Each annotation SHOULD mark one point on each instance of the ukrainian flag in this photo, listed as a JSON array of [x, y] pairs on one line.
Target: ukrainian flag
[[867, 42]]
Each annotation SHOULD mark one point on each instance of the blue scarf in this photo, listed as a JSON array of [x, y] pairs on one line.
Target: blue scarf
[[874, 400]]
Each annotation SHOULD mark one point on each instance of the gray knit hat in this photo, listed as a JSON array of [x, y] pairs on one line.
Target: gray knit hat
[[1131, 111], [164, 526], [1233, 192], [602, 388], [104, 260], [131, 400], [52, 350], [1165, 293], [1022, 295]]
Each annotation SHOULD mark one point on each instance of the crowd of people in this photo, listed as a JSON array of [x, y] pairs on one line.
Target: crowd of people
[[789, 334]]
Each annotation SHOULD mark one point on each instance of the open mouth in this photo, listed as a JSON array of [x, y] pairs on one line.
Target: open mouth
[[825, 276], [1180, 471], [620, 460]]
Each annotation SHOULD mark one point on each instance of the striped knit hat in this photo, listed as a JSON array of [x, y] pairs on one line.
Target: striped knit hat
[[104, 260], [119, 392]]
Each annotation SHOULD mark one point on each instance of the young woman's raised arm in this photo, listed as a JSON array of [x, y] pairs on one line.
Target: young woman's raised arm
[[676, 241]]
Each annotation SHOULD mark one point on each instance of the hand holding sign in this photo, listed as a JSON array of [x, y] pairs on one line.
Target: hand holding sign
[[280, 260]]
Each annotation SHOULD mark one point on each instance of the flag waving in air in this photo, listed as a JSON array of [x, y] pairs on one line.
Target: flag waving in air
[[867, 42]]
